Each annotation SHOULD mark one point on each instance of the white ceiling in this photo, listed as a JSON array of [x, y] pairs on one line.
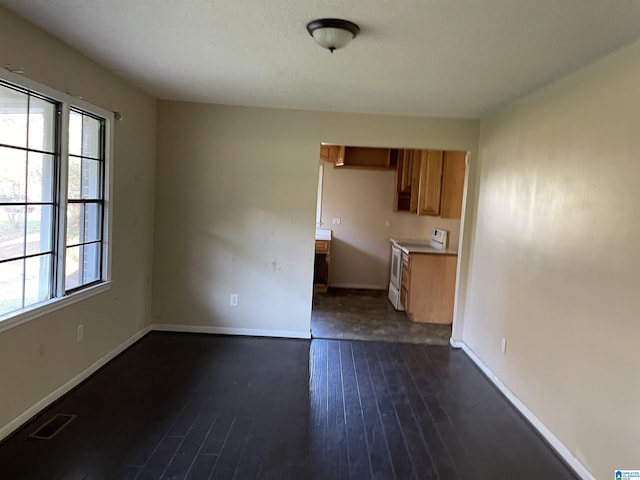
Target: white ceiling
[[454, 58]]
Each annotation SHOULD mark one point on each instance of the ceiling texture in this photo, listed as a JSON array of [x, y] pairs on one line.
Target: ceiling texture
[[451, 58]]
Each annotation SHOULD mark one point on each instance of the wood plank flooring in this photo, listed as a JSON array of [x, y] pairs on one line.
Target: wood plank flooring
[[201, 406]]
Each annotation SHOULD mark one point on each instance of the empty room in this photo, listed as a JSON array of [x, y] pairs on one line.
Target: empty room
[[319, 239]]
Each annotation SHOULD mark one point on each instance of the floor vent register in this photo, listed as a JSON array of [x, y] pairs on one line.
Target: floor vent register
[[53, 426]]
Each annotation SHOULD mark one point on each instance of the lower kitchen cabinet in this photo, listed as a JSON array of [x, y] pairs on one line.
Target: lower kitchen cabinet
[[428, 287], [321, 266]]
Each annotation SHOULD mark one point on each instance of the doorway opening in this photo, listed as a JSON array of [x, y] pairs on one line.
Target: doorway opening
[[366, 198]]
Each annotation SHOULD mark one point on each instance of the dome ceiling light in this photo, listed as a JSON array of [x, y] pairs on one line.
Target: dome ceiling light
[[332, 33]]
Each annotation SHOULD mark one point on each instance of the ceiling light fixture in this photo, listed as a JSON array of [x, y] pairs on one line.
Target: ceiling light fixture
[[332, 33]]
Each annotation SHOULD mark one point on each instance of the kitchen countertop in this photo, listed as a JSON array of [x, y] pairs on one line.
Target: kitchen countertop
[[323, 234], [408, 245]]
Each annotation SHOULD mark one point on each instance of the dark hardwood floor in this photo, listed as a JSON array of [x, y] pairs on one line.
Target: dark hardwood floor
[[201, 406]]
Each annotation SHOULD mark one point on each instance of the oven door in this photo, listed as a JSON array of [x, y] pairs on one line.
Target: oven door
[[395, 298], [396, 266]]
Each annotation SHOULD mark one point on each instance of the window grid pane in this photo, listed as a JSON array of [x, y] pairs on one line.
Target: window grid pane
[[36, 279], [40, 178], [12, 218], [11, 286], [14, 107]]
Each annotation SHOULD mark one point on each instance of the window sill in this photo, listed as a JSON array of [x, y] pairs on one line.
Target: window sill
[[23, 316]]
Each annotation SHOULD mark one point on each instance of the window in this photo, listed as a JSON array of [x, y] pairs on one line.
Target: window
[[53, 197], [85, 196]]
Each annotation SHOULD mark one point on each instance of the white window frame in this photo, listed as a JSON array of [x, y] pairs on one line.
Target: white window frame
[[60, 300]]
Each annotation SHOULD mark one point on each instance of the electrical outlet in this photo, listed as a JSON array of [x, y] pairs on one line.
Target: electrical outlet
[[387, 223], [233, 299], [80, 333], [503, 345], [336, 220]]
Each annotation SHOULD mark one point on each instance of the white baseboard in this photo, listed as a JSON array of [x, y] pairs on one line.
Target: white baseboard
[[556, 444], [250, 332], [32, 411], [360, 286]]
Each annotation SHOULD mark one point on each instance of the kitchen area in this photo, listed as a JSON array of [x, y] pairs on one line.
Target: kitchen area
[[388, 229]]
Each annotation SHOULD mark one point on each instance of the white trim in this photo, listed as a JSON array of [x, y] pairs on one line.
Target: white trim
[[32, 411], [62, 201], [13, 319], [319, 195], [107, 193], [555, 443], [360, 286], [455, 343], [251, 332], [462, 241]]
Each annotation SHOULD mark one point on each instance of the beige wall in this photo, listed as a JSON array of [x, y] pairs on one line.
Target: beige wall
[[555, 266], [26, 374], [363, 200], [236, 198]]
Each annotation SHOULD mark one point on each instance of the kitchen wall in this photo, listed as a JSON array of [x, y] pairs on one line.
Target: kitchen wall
[[236, 202], [363, 200], [555, 265], [38, 357]]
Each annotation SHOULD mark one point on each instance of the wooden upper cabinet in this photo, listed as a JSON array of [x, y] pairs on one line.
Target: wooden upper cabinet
[[416, 165], [430, 182], [405, 165], [453, 171], [329, 153], [366, 157], [324, 152], [402, 195], [339, 159], [419, 181], [404, 180]]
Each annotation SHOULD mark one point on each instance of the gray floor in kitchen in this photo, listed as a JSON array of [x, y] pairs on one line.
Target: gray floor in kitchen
[[350, 314]]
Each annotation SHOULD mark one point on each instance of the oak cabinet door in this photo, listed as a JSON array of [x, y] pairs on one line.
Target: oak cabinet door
[[405, 158], [430, 183], [404, 181], [453, 170], [416, 165]]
